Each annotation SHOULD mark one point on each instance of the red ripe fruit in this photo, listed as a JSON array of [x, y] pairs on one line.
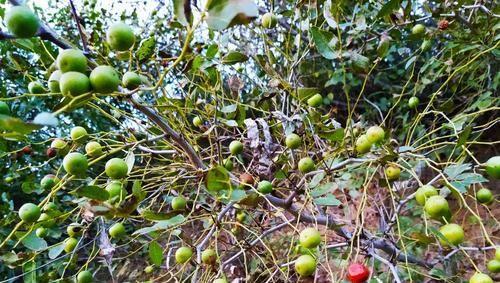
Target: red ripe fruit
[[246, 179], [358, 273], [51, 152], [27, 149], [443, 24]]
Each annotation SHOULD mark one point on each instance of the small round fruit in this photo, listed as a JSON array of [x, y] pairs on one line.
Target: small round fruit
[[493, 167], [70, 244], [41, 232], [104, 79], [426, 45], [309, 238], [78, 134], [50, 206], [305, 265], [265, 187], [120, 37], [315, 100], [437, 207], [4, 108], [58, 144], [116, 168], [358, 273], [117, 231], [54, 81], [494, 265], [183, 254], [179, 203], [228, 164], [51, 152], [453, 233], [85, 277], [74, 229], [220, 280], [293, 141], [131, 80], [197, 122], [149, 269], [35, 87], [418, 30], [48, 182], [93, 149], [29, 213], [75, 163], [21, 21], [236, 147], [71, 60], [424, 192], [269, 20], [363, 145], [392, 173], [375, 134], [484, 196], [480, 278], [115, 189], [46, 220], [208, 256], [413, 102], [497, 253], [74, 84], [306, 165]]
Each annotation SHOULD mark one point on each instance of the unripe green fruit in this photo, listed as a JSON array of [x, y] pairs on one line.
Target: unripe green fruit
[[426, 45], [183, 255], [497, 253], [418, 30], [29, 213], [304, 251], [149, 269], [93, 149], [453, 234], [305, 265], [208, 256], [269, 20], [293, 141], [306, 165], [236, 147], [46, 220], [41, 232], [413, 102], [116, 168], [75, 163], [4, 108], [228, 164], [50, 206], [120, 37], [424, 192], [78, 134], [480, 278], [117, 230], [104, 79], [197, 122], [74, 84], [59, 144], [437, 207], [363, 145], [115, 189], [131, 80], [8, 179], [392, 173], [48, 182], [494, 265], [54, 81], [309, 238], [383, 46], [72, 60], [375, 134], [265, 187], [84, 277], [220, 280], [484, 196], [70, 244], [315, 100], [74, 229], [36, 87], [179, 203], [21, 21], [241, 216], [493, 167]]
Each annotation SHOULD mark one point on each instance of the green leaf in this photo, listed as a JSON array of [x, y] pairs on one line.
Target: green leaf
[[388, 7], [323, 189], [234, 57], [130, 160], [212, 51], [229, 108], [56, 250], [328, 200], [316, 179], [93, 192], [237, 195], [29, 270], [157, 216], [182, 11], [322, 39], [32, 242], [161, 225], [146, 49], [137, 191], [155, 253], [16, 125], [217, 179], [226, 13], [453, 171], [464, 135]]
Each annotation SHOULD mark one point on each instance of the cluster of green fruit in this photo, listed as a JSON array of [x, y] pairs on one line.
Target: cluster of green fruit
[[309, 239], [373, 135]]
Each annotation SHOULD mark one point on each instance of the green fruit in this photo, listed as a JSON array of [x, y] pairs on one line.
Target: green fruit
[[306, 165], [72, 60], [437, 207], [54, 81], [75, 163], [104, 79], [74, 84], [179, 203], [265, 187], [484, 196], [78, 134], [183, 254], [120, 37], [241, 216], [494, 265], [480, 278], [305, 265], [220, 280], [236, 147], [29, 213], [413, 102], [269, 20], [149, 269], [4, 108], [363, 145], [59, 144], [375, 134], [50, 206], [424, 192], [117, 230], [85, 277], [497, 253], [74, 229], [418, 30], [46, 220], [93, 149], [36, 87], [392, 173], [208, 256], [70, 244], [197, 122], [493, 167], [115, 189], [309, 238], [293, 141], [426, 45], [21, 21], [453, 233], [228, 164], [41, 232], [116, 168], [315, 100], [48, 182], [131, 80], [9, 179], [383, 46]]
